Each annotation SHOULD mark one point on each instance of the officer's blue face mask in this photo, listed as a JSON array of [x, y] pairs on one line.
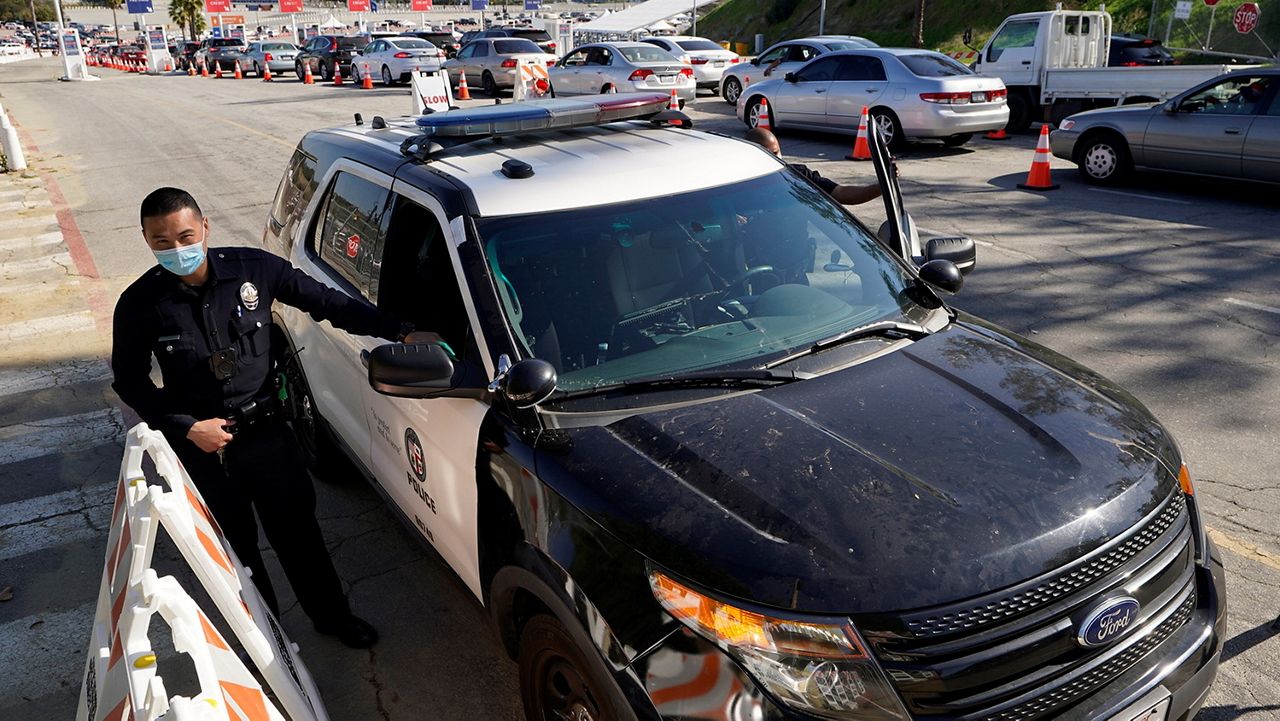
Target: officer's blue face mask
[[183, 260]]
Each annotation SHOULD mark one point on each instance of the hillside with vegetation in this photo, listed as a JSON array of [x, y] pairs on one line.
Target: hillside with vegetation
[[893, 22]]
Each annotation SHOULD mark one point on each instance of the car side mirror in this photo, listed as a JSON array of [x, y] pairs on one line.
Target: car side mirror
[[790, 77], [421, 370], [961, 251], [1171, 106], [943, 275], [755, 61], [526, 383]]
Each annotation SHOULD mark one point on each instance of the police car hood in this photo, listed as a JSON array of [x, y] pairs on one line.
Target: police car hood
[[965, 462]]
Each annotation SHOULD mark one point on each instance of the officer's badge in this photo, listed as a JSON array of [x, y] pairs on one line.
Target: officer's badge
[[249, 296]]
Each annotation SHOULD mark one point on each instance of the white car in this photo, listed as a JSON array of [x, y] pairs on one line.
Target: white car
[[624, 67], [909, 93], [782, 58], [395, 59], [707, 59]]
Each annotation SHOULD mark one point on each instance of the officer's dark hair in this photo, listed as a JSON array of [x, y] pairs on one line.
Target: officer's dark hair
[[163, 201]]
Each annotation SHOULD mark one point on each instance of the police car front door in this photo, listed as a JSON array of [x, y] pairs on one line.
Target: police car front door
[[424, 451]]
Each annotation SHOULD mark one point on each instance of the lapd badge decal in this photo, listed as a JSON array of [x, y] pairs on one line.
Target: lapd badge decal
[[413, 449], [249, 296]]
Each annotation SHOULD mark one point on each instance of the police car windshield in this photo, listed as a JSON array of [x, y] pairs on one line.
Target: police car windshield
[[724, 277]]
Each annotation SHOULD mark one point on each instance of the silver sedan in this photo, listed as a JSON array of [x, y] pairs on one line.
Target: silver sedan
[[269, 54], [491, 63], [623, 66], [782, 58], [1228, 127], [909, 93]]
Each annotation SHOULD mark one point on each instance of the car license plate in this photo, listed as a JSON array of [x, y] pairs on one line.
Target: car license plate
[[978, 97], [1158, 712], [666, 79], [717, 64]]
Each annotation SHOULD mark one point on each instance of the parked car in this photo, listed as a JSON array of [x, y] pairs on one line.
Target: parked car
[[443, 39], [216, 53], [541, 37], [491, 63], [1228, 127], [699, 440], [910, 93], [1130, 50], [275, 54], [782, 58], [325, 54], [624, 66], [707, 59], [185, 57], [394, 59]]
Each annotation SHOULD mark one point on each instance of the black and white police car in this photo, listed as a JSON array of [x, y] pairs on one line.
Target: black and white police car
[[705, 447]]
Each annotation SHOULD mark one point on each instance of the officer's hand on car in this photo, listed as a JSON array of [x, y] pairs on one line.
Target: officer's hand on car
[[210, 435]]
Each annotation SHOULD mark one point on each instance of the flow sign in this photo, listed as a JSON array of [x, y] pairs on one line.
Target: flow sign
[[1246, 18]]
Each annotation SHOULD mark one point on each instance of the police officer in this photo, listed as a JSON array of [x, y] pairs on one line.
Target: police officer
[[844, 194], [206, 315]]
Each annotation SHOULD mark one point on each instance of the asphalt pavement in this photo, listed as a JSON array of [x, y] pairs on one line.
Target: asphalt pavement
[[1166, 286]]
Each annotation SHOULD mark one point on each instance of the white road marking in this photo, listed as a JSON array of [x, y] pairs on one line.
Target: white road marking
[[35, 241], [66, 526], [49, 286], [68, 434], [25, 204], [60, 261], [49, 376], [1255, 306], [1140, 195], [56, 504], [67, 323], [26, 227]]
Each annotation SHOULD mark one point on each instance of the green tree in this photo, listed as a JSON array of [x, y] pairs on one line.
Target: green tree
[[20, 11], [188, 14]]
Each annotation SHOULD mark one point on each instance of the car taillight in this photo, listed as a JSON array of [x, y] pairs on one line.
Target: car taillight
[[1000, 94], [640, 74], [402, 55], [735, 60], [333, 44], [1130, 64], [268, 57], [551, 46], [687, 72], [509, 63], [946, 98], [699, 61]]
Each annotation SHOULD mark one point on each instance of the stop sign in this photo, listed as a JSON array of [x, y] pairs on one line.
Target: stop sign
[[1210, 3], [1246, 18]]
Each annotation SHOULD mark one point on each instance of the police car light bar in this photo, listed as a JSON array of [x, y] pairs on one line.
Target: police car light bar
[[550, 114]]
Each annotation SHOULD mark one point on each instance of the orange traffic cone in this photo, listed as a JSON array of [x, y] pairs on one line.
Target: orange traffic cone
[[238, 75], [861, 148], [675, 101], [204, 69], [366, 82], [191, 70], [613, 89], [266, 73], [996, 135], [763, 120], [337, 74], [217, 70], [463, 92], [168, 65], [1039, 178], [306, 76]]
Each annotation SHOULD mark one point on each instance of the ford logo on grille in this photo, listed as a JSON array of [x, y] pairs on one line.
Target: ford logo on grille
[[1108, 621]]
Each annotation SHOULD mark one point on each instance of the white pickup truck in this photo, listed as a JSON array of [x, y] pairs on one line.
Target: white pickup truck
[[1055, 64]]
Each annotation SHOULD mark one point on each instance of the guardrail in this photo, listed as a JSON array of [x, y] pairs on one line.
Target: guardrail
[[13, 53]]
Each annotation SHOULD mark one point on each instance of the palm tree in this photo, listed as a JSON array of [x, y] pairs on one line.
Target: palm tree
[[114, 5], [917, 30], [188, 14]]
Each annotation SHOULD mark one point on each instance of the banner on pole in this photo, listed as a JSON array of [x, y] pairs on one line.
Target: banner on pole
[[139, 7], [479, 5], [217, 6], [290, 6], [358, 6], [420, 6]]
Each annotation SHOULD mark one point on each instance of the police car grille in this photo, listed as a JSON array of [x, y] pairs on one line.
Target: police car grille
[[1020, 665], [1071, 579]]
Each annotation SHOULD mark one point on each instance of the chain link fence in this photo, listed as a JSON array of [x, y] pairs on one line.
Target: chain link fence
[[1210, 29]]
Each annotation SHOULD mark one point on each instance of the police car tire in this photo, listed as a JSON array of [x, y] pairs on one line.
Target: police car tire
[[547, 648], [316, 444]]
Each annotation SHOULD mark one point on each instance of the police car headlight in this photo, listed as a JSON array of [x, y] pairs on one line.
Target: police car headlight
[[817, 665]]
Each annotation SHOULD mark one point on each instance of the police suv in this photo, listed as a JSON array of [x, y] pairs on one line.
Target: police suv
[[706, 447]]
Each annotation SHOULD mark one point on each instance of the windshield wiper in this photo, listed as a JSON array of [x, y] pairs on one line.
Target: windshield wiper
[[892, 329], [727, 379]]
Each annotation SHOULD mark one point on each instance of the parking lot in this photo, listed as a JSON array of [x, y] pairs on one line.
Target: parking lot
[[1164, 286]]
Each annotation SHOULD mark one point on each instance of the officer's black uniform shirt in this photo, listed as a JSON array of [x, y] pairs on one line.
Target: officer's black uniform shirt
[[826, 184], [183, 326]]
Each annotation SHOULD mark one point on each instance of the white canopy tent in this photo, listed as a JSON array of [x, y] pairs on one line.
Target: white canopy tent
[[332, 22], [639, 17]]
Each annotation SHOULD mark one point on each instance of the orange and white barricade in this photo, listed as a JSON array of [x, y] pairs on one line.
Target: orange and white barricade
[[532, 81], [121, 681]]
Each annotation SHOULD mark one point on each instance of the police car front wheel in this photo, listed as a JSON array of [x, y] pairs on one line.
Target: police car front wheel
[[558, 681]]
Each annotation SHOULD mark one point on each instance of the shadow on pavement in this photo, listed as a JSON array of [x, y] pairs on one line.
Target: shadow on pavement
[[1247, 640]]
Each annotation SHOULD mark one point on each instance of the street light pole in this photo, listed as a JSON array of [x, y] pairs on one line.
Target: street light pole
[[822, 17]]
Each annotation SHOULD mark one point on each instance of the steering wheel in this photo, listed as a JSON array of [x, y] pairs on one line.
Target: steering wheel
[[740, 282]]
